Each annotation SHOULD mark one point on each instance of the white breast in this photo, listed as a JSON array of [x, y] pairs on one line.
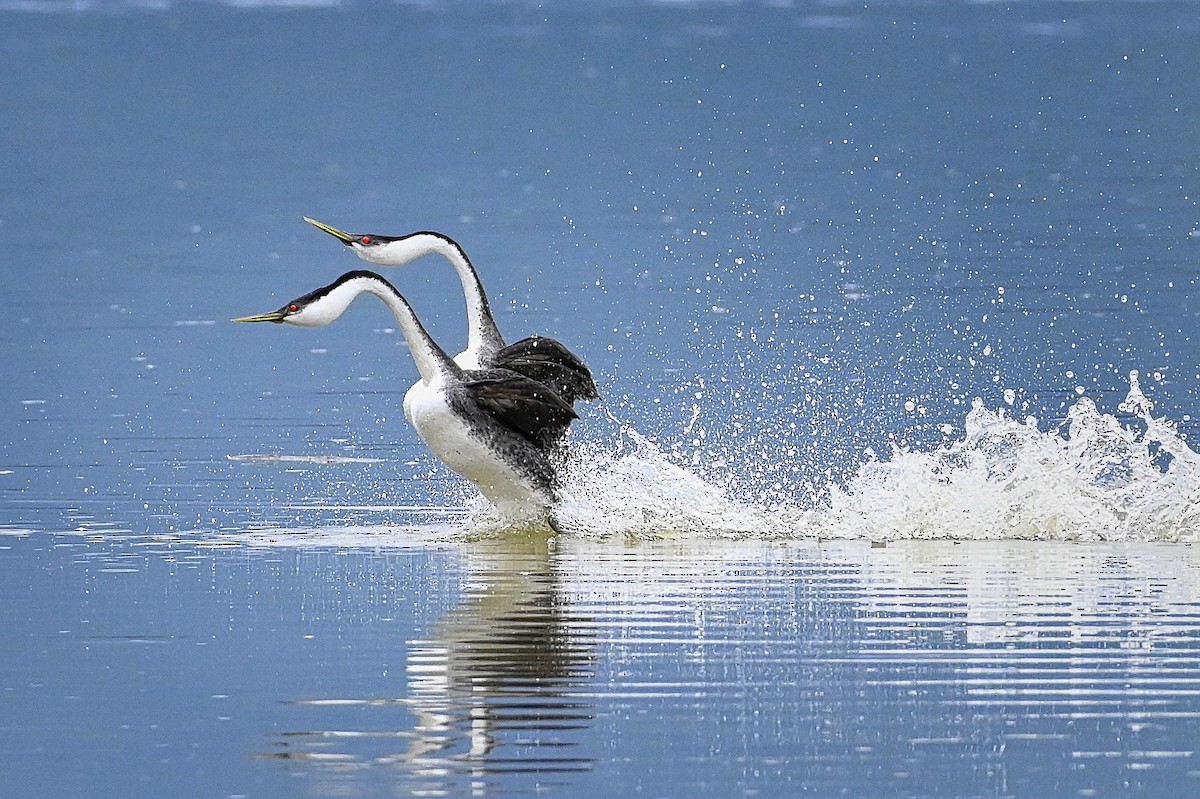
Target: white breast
[[457, 446], [467, 360]]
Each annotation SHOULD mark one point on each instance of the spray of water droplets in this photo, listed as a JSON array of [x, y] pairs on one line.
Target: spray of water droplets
[[1097, 477]]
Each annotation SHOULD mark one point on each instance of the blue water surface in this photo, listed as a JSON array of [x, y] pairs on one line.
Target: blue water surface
[[787, 237]]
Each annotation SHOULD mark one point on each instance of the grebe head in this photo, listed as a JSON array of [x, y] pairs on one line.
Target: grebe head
[[320, 307], [371, 247]]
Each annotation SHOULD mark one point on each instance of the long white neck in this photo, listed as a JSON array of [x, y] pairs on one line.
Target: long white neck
[[483, 337], [432, 361]]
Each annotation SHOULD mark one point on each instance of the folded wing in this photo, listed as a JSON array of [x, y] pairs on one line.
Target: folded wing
[[523, 404], [549, 361]]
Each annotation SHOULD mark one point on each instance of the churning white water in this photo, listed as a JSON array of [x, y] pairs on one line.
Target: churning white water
[[1096, 477]]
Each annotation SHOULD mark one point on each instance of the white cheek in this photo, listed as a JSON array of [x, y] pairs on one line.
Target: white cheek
[[308, 318], [373, 255]]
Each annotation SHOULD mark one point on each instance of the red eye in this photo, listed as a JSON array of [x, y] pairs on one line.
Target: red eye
[[365, 239], [293, 308]]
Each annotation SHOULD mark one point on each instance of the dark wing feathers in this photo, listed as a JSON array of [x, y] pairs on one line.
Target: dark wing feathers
[[522, 404], [548, 361]]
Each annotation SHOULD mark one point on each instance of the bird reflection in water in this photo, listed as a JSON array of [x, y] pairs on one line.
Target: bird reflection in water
[[492, 691]]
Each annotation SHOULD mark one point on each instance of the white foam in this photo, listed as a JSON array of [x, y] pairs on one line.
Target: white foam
[[634, 488], [1101, 479], [315, 459], [340, 537], [1097, 479]]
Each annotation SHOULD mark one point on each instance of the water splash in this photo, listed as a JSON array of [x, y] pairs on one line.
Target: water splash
[[1100, 479], [1096, 477], [637, 489]]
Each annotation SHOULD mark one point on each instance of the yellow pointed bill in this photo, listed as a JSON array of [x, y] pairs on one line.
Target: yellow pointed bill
[[274, 316], [341, 235]]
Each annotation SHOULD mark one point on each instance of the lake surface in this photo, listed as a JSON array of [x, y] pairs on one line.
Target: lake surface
[[890, 491]]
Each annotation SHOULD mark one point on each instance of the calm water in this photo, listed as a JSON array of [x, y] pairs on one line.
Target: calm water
[[515, 664], [891, 492]]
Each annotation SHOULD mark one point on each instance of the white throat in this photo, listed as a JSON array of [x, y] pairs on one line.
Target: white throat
[[483, 337], [431, 361]]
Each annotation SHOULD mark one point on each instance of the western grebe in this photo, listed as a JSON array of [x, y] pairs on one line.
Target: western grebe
[[495, 427], [538, 357]]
